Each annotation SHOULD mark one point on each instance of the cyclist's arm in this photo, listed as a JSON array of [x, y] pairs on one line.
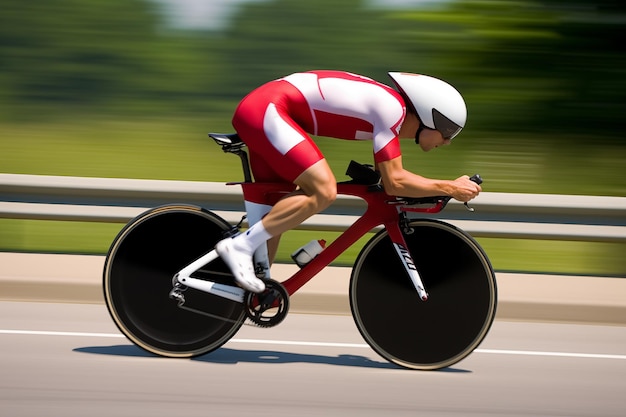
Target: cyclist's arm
[[400, 182]]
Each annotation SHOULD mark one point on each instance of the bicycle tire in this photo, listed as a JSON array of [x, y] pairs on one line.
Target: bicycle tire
[[138, 273], [432, 334]]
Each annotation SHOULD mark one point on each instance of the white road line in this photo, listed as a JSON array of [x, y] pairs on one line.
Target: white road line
[[46, 333], [560, 354], [330, 344]]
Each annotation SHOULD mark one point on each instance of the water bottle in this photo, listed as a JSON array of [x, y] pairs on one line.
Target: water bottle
[[306, 253]]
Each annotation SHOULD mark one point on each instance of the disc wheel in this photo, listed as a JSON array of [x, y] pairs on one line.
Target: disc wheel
[[138, 276], [428, 334]]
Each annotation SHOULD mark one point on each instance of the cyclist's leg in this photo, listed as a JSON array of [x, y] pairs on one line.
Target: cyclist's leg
[[300, 205], [272, 247], [280, 150], [317, 190]]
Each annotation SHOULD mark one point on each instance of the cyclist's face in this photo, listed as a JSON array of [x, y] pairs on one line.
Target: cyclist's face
[[431, 139]]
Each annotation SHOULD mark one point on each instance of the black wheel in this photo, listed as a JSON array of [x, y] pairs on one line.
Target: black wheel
[[428, 334], [138, 274]]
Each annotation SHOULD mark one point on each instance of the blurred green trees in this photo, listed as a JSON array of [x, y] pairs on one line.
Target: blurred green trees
[[525, 66], [103, 55], [84, 52]]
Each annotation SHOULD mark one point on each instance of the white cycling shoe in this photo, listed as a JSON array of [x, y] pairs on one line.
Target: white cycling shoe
[[241, 266]]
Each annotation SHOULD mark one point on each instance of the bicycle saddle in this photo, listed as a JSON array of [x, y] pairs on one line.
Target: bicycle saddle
[[231, 139], [228, 141]]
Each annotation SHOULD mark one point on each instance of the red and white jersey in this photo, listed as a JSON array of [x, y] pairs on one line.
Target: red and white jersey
[[276, 119], [350, 106]]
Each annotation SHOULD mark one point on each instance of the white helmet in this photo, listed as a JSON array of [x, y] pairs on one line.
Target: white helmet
[[438, 105]]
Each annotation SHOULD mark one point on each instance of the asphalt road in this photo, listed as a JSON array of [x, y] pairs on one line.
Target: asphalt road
[[70, 360]]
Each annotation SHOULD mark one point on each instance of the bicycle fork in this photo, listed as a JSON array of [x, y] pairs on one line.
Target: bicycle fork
[[409, 266], [399, 245]]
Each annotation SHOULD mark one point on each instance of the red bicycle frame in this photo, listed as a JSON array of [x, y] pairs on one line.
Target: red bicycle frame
[[382, 209]]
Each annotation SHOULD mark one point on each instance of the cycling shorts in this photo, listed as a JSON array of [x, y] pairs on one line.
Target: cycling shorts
[[273, 121]]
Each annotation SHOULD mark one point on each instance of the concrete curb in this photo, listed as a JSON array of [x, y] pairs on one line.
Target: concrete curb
[[524, 297]]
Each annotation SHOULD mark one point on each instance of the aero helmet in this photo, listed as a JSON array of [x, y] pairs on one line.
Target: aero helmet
[[438, 105]]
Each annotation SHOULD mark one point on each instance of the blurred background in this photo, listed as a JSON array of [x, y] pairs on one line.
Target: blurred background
[[129, 88]]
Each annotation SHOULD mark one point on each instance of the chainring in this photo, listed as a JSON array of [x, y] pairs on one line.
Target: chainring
[[270, 307]]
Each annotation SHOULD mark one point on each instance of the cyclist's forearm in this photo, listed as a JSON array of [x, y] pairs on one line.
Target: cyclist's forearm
[[412, 185], [400, 182]]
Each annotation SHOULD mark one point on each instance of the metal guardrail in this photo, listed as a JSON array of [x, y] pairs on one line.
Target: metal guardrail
[[505, 215]]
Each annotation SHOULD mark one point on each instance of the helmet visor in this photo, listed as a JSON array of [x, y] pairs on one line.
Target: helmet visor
[[445, 126]]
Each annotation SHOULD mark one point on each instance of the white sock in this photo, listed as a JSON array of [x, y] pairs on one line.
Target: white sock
[[252, 238]]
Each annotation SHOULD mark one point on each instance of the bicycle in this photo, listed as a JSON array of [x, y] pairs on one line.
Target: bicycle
[[427, 306]]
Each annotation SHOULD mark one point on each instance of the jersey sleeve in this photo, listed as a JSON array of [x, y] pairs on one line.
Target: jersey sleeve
[[387, 122]]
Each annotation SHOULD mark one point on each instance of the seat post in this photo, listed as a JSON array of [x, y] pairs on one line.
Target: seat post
[[245, 164], [232, 143]]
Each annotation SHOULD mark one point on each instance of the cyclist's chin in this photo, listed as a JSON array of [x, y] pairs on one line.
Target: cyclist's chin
[[425, 147]]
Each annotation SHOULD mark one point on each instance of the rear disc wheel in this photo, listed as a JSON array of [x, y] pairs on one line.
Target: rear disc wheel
[[137, 281]]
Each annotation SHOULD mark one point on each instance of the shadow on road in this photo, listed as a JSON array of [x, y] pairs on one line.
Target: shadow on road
[[228, 356]]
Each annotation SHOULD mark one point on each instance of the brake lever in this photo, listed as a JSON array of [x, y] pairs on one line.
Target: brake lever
[[478, 180]]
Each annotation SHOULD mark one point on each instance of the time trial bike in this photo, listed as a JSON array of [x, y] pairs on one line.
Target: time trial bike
[[422, 292]]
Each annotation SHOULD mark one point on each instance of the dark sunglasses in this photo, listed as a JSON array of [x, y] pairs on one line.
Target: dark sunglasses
[[443, 125]]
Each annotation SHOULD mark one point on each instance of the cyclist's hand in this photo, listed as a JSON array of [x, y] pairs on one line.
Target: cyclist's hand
[[465, 189]]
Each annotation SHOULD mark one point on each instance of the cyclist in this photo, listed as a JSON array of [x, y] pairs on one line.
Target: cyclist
[[276, 119]]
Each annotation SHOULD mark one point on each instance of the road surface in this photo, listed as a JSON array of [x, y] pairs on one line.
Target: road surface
[[70, 360]]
